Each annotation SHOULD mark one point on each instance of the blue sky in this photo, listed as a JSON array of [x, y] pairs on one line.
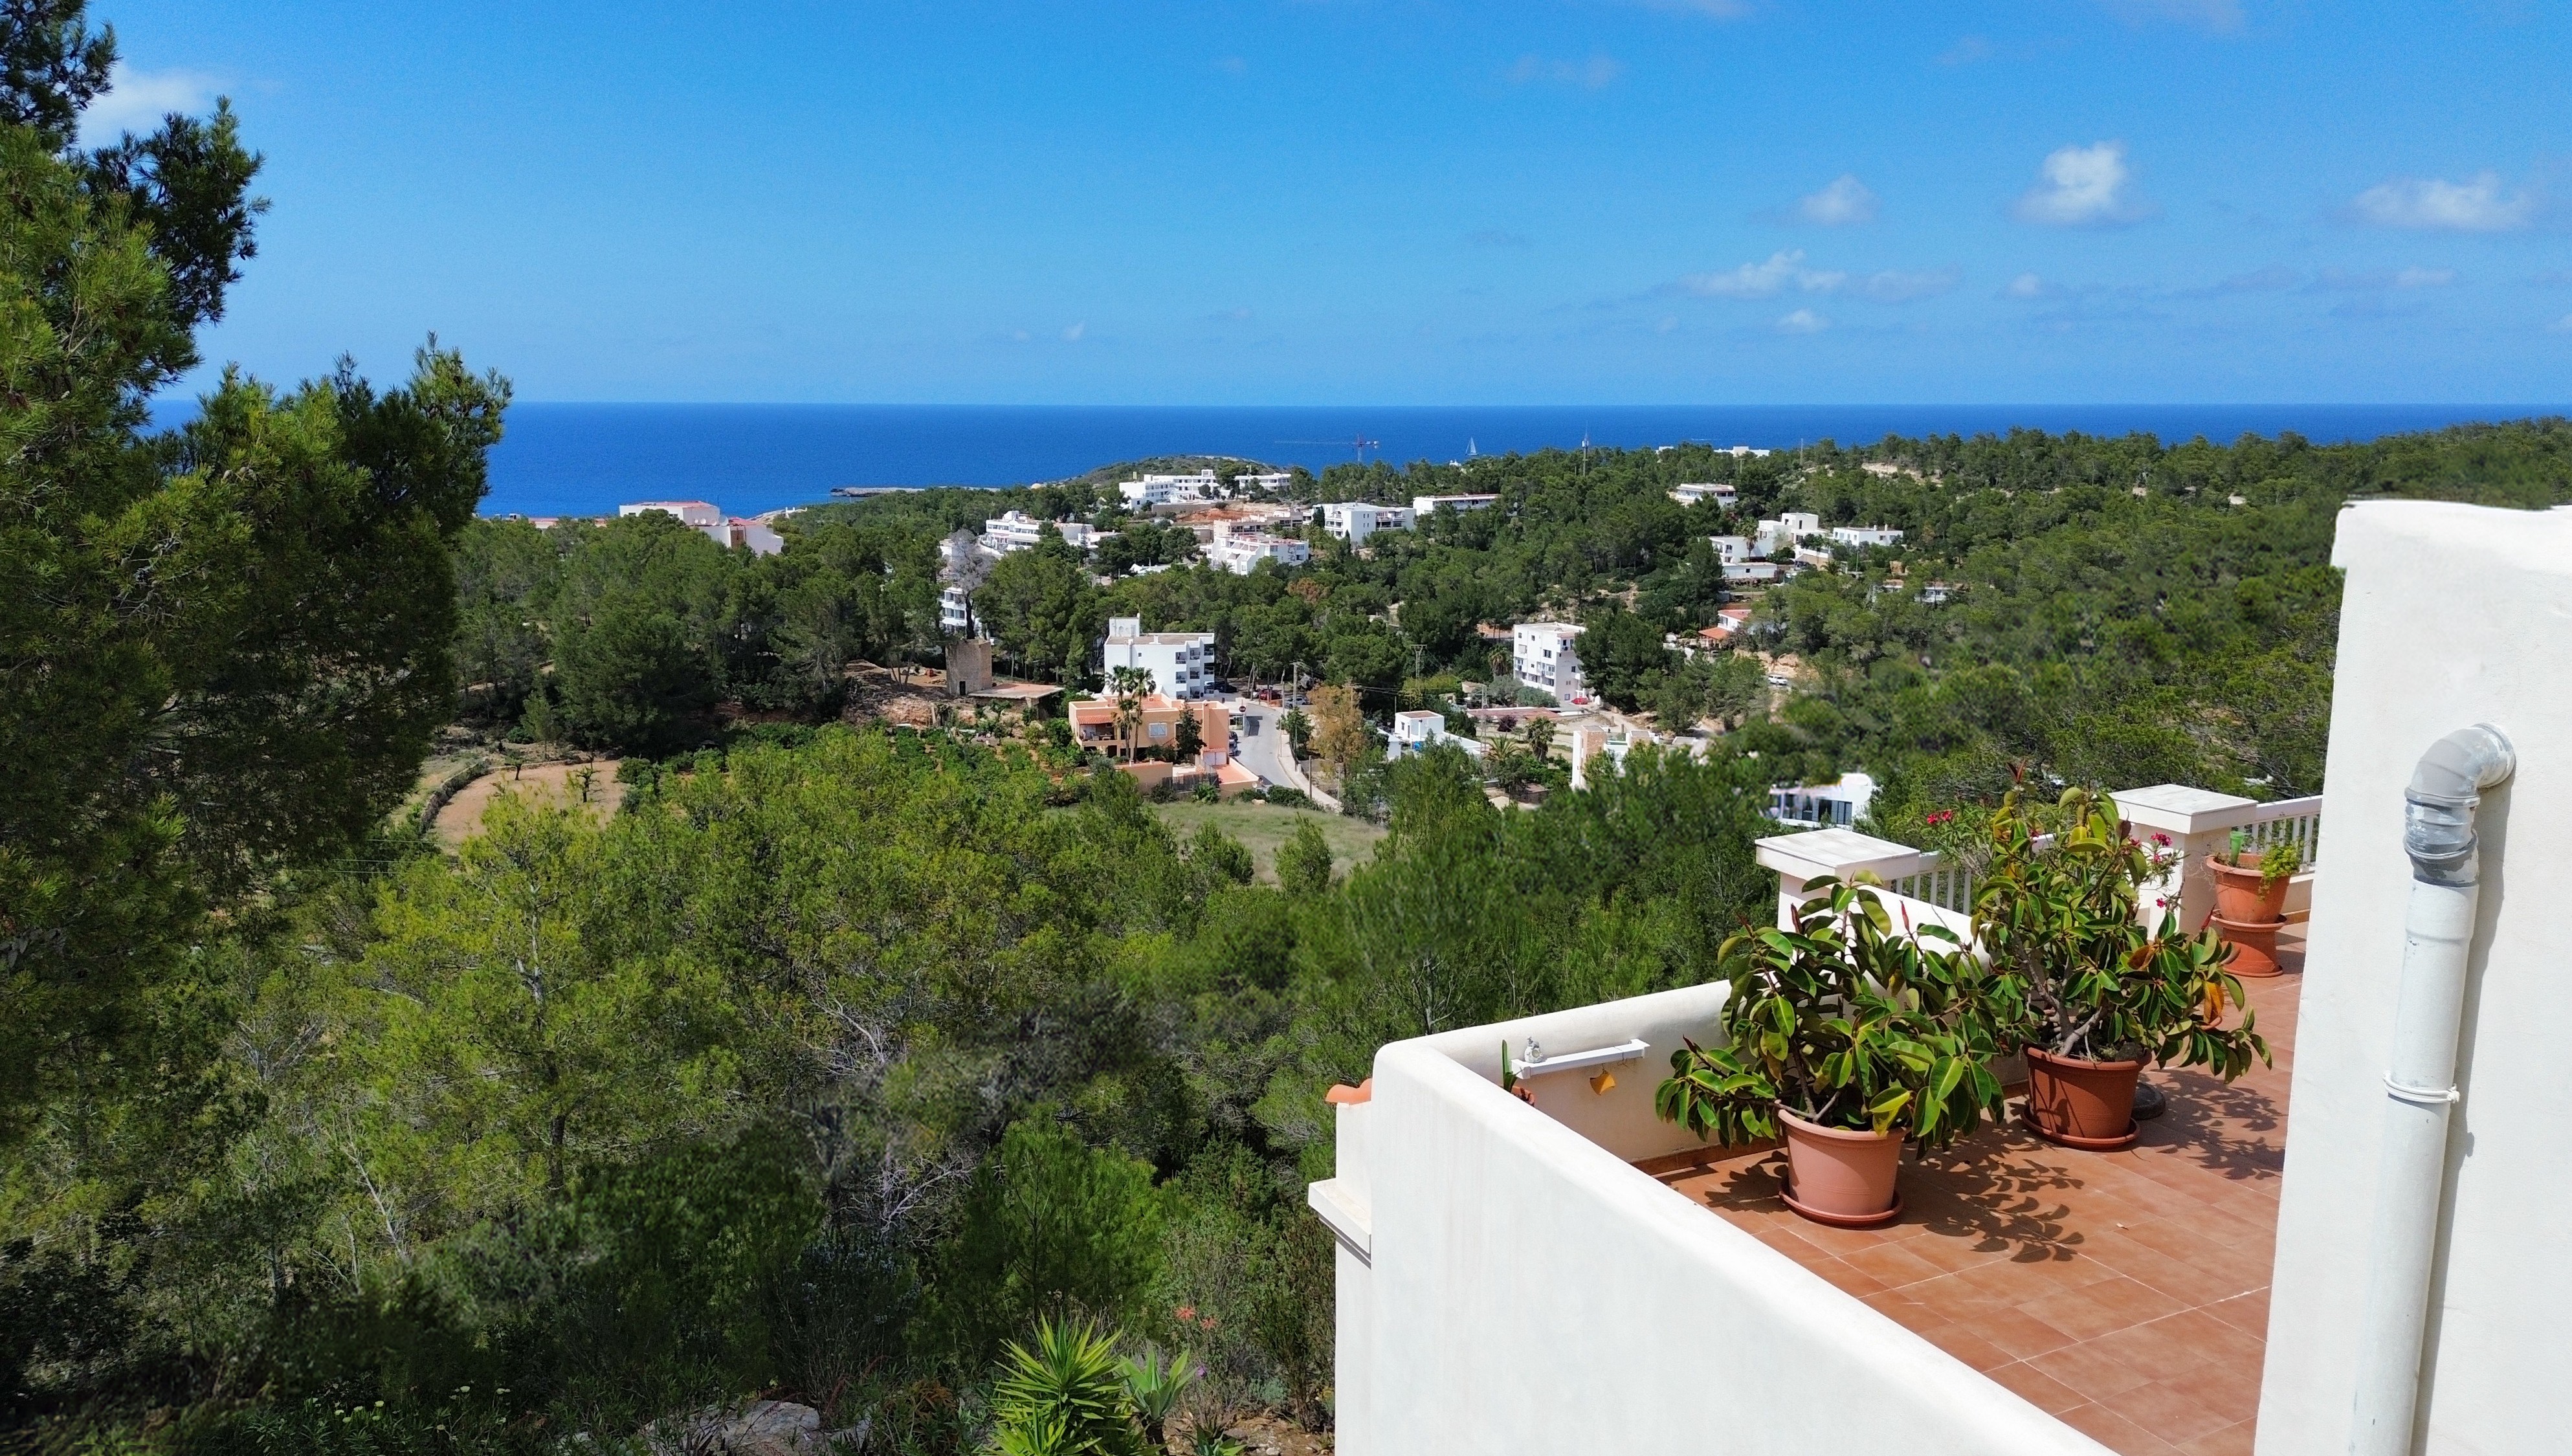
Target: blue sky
[[1387, 200]]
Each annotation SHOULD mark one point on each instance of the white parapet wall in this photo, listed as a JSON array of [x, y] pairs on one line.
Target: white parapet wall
[[2453, 615], [1510, 1284]]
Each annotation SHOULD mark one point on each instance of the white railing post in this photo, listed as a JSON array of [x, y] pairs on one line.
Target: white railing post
[[1842, 854], [2197, 823]]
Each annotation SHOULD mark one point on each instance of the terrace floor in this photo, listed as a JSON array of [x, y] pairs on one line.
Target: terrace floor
[[2125, 1293]]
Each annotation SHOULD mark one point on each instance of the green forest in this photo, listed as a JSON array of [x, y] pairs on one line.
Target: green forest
[[864, 1066]]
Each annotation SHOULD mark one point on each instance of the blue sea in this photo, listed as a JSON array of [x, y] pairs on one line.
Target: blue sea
[[567, 459]]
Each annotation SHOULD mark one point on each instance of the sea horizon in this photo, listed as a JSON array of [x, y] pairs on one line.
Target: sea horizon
[[567, 457]]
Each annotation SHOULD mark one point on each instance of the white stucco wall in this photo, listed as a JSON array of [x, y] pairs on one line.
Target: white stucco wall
[[1529, 1291], [2453, 615]]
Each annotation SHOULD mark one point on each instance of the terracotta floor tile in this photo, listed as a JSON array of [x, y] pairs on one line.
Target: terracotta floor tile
[[2112, 1430], [2233, 1440], [2161, 1350], [2078, 1315], [2176, 1411], [1962, 1343], [1849, 1280], [2248, 1313], [2039, 1389], [1892, 1263], [2094, 1372], [2022, 1335]]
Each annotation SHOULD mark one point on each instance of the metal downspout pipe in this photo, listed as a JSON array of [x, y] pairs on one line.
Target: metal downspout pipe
[[2438, 937]]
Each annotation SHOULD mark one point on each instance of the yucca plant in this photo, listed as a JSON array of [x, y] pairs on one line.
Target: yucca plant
[[1063, 1394], [1154, 1385], [1848, 1020]]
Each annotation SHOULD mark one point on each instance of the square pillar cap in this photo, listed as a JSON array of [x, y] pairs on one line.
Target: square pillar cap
[[2177, 809], [1843, 853]]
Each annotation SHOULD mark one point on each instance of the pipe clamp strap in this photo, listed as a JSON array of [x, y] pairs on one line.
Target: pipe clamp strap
[[2427, 1096]]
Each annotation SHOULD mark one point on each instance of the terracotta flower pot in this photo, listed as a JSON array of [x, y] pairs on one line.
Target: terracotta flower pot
[[1841, 1177], [2239, 896], [2079, 1103], [2255, 946]]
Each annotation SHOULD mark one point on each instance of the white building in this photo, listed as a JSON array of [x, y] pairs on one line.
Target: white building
[[1744, 452], [1016, 530], [1424, 506], [1785, 531], [1542, 657], [710, 521], [1835, 804], [1149, 490], [1732, 550], [1240, 552], [1181, 663], [1355, 520], [1270, 481], [1720, 492], [698, 513], [1421, 729], [955, 611], [1866, 535]]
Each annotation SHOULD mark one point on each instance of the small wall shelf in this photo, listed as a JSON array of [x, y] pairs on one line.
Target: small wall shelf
[[1569, 1061]]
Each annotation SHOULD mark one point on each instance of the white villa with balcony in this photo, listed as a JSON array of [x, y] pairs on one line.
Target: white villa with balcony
[[1572, 1274]]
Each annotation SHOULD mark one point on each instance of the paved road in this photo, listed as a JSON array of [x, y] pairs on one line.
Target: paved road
[[1266, 752]]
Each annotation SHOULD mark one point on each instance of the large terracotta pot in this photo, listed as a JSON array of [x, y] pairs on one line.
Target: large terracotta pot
[[2238, 896], [2079, 1103], [1841, 1177], [2255, 946]]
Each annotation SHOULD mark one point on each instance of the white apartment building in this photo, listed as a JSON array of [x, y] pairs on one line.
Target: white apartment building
[[709, 520], [1181, 663], [955, 611], [1732, 550], [1424, 506], [1785, 531], [698, 513], [1240, 552], [1148, 490], [1355, 520], [1866, 535], [1271, 481], [1542, 657], [1745, 452], [1016, 530], [1720, 492], [1835, 804]]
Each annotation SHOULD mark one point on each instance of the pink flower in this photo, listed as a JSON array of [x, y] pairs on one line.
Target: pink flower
[[2162, 903], [2163, 840]]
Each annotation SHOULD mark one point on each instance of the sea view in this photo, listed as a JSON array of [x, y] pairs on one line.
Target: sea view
[[585, 458]]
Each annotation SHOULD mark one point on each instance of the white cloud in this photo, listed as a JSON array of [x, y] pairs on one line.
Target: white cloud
[[2027, 286], [1846, 201], [1803, 321], [1589, 75], [1073, 333], [137, 100], [2220, 16], [2083, 187], [2382, 279], [2433, 203], [1896, 287], [1763, 280]]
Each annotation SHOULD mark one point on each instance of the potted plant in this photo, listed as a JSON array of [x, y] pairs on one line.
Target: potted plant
[[1845, 1038], [2083, 987], [2252, 888], [2250, 900]]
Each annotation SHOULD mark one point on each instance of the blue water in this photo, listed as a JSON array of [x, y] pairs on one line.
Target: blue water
[[586, 459]]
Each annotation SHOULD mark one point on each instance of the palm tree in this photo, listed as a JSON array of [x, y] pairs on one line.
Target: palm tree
[[1129, 684]]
